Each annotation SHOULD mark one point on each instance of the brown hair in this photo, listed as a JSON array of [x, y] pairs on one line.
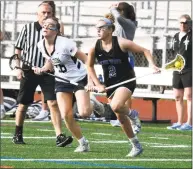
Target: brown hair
[[128, 10]]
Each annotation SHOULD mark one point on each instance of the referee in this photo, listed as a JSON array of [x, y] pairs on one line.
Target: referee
[[27, 45]]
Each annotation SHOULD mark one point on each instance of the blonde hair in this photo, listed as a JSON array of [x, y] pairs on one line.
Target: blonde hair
[[110, 17]]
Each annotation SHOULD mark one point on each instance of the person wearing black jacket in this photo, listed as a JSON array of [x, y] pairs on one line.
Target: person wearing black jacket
[[182, 81]]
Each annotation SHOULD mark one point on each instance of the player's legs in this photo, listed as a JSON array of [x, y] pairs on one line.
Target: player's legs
[[48, 88], [118, 105], [85, 107], [25, 97]]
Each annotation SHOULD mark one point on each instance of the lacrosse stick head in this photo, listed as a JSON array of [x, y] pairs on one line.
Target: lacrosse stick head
[[15, 60], [177, 64]]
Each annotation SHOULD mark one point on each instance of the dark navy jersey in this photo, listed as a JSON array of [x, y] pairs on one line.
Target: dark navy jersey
[[183, 47], [115, 64]]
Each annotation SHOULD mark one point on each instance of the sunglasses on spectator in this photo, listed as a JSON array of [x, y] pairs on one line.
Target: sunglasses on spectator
[[184, 23]]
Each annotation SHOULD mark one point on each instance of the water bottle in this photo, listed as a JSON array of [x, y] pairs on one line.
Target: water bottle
[[100, 77]]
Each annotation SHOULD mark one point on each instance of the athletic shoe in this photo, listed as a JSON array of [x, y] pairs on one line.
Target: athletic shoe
[[135, 151], [18, 139], [83, 148], [2, 113], [135, 121], [174, 126], [62, 140], [185, 127], [43, 116], [97, 106]]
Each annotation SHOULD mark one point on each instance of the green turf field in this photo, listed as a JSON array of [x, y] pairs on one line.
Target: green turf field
[[109, 146]]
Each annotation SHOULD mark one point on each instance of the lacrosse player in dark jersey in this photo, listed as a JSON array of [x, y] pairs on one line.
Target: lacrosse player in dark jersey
[[112, 53]]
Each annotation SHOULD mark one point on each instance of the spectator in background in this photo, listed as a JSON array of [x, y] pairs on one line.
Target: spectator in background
[[1, 91], [44, 113], [182, 81], [27, 41], [126, 24]]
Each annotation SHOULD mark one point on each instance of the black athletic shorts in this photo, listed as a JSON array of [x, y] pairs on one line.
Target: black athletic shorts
[[131, 85], [182, 80], [28, 86], [67, 87]]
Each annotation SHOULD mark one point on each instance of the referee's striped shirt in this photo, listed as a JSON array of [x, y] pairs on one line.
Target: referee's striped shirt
[[27, 41]]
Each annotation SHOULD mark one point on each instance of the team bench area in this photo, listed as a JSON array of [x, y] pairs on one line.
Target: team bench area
[[149, 87]]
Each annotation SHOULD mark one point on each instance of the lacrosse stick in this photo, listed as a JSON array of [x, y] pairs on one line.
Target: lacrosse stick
[[177, 64], [127, 81], [15, 59]]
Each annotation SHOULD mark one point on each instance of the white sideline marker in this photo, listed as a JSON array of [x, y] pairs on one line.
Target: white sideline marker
[[157, 145], [95, 159], [102, 134], [161, 138]]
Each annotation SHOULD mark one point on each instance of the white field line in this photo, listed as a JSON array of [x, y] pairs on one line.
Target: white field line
[[161, 138], [102, 134], [171, 146], [95, 159], [158, 145], [45, 130], [26, 121]]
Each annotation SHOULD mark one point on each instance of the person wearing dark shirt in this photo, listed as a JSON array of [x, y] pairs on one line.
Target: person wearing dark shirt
[[112, 53], [182, 81]]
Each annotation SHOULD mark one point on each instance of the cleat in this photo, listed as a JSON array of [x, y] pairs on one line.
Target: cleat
[[62, 140], [135, 151], [174, 126], [18, 139], [83, 148], [185, 127]]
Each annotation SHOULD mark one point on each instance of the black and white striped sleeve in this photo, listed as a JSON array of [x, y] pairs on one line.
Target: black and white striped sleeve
[[20, 43]]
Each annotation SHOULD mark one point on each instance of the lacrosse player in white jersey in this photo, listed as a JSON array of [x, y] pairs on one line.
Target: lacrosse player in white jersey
[[68, 63]]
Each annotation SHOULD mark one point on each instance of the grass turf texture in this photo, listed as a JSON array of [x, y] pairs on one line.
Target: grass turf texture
[[162, 148]]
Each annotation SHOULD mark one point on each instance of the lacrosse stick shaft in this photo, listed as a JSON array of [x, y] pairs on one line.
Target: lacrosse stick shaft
[[126, 81], [58, 77]]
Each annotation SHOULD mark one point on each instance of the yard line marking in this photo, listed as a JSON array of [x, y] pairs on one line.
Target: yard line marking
[[45, 130], [172, 146], [111, 141], [30, 137], [161, 138], [95, 159], [5, 133], [26, 121], [102, 134]]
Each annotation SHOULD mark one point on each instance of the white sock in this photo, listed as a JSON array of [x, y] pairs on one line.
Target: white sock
[[82, 140], [134, 140]]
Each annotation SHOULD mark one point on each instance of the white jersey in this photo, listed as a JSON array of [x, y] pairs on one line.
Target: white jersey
[[65, 64]]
